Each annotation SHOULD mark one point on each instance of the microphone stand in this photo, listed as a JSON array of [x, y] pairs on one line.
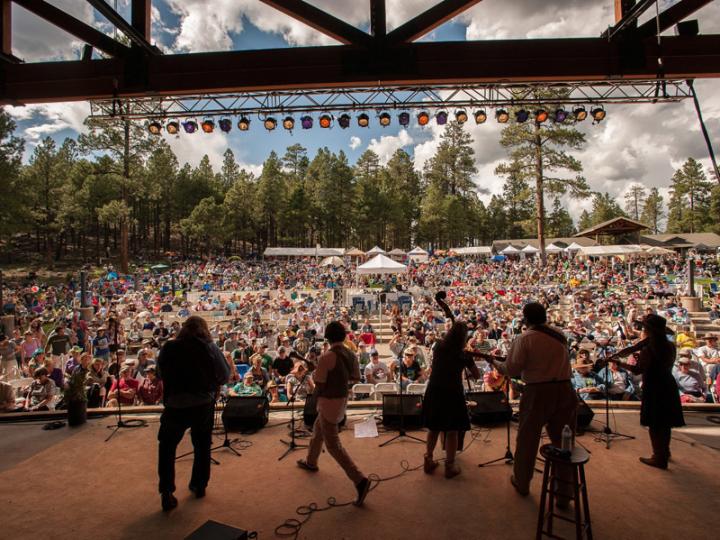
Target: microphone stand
[[508, 457], [607, 434], [402, 432], [291, 444], [133, 423]]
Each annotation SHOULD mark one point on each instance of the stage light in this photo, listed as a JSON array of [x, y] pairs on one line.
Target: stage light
[[190, 126], [363, 120], [404, 119], [461, 117], [325, 121], [441, 118], [225, 125], [155, 128], [480, 117], [521, 116], [598, 114], [423, 118], [244, 123], [306, 122], [344, 121], [289, 123], [580, 114], [172, 127], [561, 115], [270, 123], [541, 115], [208, 126], [502, 116], [384, 119]]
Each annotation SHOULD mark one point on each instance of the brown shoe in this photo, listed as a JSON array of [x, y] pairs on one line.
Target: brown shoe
[[430, 465], [654, 462], [451, 470]]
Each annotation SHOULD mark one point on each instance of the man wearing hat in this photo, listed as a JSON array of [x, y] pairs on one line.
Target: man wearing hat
[[74, 361], [376, 371], [690, 383], [709, 356], [585, 381]]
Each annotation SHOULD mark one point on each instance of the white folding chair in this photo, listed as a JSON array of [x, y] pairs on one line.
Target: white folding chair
[[362, 388], [384, 388], [416, 388]]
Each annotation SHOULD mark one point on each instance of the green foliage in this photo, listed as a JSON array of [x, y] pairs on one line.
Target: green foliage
[[635, 200], [653, 211], [689, 207]]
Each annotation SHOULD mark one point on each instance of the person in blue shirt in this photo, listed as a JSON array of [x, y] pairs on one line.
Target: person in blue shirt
[[586, 382], [619, 383]]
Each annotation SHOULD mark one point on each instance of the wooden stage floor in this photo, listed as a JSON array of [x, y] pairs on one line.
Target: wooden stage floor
[[70, 484]]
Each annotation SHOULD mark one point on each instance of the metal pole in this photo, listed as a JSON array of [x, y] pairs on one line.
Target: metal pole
[[691, 276], [83, 289], [172, 284]]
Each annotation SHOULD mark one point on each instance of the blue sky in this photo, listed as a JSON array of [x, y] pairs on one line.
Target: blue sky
[[641, 143]]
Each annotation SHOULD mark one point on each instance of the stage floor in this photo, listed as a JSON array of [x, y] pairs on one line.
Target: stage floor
[[70, 484]]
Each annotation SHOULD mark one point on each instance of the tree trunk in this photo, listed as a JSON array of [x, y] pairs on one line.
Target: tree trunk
[[124, 262]]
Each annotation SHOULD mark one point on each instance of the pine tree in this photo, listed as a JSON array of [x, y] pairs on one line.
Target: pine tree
[[653, 211], [635, 200], [560, 223], [690, 199], [537, 150]]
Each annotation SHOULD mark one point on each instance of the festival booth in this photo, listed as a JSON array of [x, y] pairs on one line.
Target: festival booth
[[397, 254], [485, 251], [611, 250], [530, 250], [303, 252], [332, 261], [418, 254], [510, 250], [354, 253], [552, 248], [377, 250], [382, 265]]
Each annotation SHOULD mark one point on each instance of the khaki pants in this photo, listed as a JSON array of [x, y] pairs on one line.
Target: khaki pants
[[551, 405], [324, 431]]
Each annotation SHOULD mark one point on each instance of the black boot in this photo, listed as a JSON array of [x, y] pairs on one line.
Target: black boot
[[168, 501]]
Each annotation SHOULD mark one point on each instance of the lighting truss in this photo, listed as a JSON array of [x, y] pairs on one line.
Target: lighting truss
[[387, 98]]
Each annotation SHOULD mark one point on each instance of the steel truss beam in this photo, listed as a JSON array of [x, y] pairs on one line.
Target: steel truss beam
[[133, 34], [424, 64], [448, 97]]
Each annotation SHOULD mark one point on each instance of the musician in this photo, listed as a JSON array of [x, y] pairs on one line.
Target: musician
[[540, 357], [444, 408], [660, 410], [192, 369]]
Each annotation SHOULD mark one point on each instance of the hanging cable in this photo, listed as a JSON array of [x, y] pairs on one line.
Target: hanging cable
[[705, 133]]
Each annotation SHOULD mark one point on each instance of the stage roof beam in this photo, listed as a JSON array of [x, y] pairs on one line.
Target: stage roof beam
[[6, 27], [73, 26], [428, 20], [671, 16], [141, 17], [630, 13], [378, 22], [136, 36], [321, 21]]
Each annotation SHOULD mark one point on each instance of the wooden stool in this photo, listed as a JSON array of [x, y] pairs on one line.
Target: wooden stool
[[552, 479]]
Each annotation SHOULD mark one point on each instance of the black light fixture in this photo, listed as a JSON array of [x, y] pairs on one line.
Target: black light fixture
[[344, 121], [208, 126], [155, 127], [560, 115], [173, 127], [461, 117], [441, 118], [225, 125], [325, 121], [190, 126], [521, 116], [423, 118], [541, 116], [598, 114], [244, 123], [384, 119], [306, 122], [502, 116], [480, 117], [289, 123], [580, 114], [270, 123], [363, 120], [404, 119]]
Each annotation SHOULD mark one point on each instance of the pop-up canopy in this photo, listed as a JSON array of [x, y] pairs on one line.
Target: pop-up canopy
[[381, 265]]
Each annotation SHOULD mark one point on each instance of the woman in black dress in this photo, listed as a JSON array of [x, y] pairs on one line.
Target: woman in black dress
[[660, 410], [444, 408]]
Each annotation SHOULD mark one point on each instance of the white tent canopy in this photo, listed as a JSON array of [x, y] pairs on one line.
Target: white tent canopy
[[510, 249], [610, 251], [573, 247], [552, 248], [332, 261], [302, 252], [530, 249], [473, 250], [397, 251], [381, 264], [417, 250], [375, 251], [418, 255]]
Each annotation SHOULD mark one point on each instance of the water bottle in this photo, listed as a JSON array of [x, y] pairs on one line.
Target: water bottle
[[566, 438]]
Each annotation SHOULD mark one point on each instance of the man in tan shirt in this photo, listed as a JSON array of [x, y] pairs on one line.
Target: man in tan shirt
[[539, 356]]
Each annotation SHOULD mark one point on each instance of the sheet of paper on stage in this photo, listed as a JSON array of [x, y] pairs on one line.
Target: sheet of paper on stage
[[367, 428]]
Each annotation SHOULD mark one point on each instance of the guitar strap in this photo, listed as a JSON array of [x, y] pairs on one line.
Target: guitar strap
[[551, 332]]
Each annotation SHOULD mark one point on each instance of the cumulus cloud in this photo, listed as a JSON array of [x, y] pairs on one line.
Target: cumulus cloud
[[386, 146], [355, 142], [50, 118], [187, 150]]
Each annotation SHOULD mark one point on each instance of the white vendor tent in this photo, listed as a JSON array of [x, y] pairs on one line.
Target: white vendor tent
[[397, 253], [610, 251], [573, 247], [418, 254], [381, 265], [510, 250], [473, 250], [552, 248], [530, 249], [332, 261], [377, 250]]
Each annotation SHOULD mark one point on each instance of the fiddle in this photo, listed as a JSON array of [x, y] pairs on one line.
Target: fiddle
[[627, 351]]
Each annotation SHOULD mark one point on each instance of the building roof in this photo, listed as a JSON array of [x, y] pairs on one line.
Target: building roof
[[618, 225], [679, 240], [499, 245]]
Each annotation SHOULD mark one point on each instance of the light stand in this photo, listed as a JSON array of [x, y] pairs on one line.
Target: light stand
[[402, 432], [291, 444], [508, 457], [607, 434], [133, 423]]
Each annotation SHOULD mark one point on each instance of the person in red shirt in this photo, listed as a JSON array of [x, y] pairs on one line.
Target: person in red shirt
[[151, 389], [128, 389]]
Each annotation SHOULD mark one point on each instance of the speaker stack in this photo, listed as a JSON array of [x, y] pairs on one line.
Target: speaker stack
[[244, 413], [409, 404], [488, 408]]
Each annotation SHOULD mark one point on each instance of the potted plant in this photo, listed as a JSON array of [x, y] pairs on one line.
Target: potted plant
[[76, 399]]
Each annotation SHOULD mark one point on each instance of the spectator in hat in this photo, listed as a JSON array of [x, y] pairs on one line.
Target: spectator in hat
[[299, 382], [150, 391], [247, 387], [96, 383], [376, 371], [275, 395], [619, 385], [259, 373], [74, 360], [690, 383], [128, 388], [586, 382], [41, 391], [143, 362], [37, 360], [709, 356]]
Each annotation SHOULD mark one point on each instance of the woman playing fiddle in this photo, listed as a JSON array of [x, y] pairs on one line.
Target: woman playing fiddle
[[444, 407], [660, 410]]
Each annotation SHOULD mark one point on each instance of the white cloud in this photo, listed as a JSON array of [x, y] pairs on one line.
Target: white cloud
[[355, 142], [388, 144], [50, 118]]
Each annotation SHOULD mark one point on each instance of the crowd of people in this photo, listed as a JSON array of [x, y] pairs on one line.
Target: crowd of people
[[268, 319]]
